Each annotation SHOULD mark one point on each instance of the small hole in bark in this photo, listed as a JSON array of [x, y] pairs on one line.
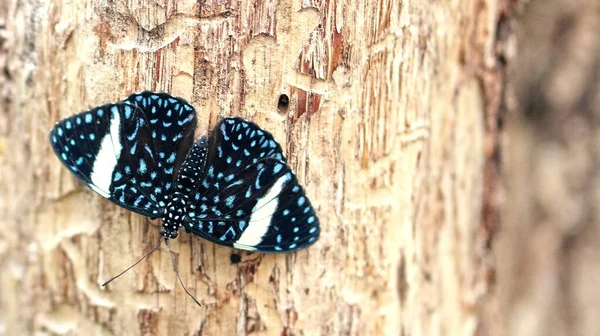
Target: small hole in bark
[[284, 103], [235, 258]]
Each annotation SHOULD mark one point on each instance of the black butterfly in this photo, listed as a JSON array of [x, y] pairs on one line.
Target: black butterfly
[[233, 188]]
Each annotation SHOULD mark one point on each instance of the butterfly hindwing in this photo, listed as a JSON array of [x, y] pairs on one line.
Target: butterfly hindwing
[[292, 221], [172, 123], [236, 143], [249, 198]]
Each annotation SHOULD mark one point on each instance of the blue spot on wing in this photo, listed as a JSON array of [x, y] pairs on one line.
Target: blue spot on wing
[[127, 111]]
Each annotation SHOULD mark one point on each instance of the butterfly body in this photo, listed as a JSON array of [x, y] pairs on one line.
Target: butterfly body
[[233, 187]]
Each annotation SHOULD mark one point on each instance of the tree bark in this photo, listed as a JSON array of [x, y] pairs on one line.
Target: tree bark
[[391, 127]]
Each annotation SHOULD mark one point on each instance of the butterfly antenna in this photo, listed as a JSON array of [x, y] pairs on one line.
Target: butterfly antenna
[[177, 272], [137, 262]]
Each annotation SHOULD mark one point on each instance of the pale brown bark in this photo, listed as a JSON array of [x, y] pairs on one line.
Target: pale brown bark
[[391, 127]]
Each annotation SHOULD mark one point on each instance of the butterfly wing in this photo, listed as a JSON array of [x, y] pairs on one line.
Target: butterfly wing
[[117, 151], [173, 123], [248, 197]]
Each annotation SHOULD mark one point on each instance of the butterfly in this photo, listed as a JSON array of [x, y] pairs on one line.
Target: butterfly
[[232, 187]]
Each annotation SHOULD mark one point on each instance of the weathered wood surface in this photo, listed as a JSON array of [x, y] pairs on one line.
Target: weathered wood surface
[[391, 127]]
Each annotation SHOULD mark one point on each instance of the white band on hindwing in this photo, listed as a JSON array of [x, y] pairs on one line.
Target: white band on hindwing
[[262, 213]]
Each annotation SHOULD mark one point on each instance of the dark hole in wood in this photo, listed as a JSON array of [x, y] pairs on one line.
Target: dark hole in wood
[[235, 258], [284, 103]]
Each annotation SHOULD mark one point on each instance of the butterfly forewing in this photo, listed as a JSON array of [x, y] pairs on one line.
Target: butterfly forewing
[[77, 141], [119, 152], [248, 192]]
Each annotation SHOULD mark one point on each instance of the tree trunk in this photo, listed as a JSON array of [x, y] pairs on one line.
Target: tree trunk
[[549, 243], [391, 126]]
